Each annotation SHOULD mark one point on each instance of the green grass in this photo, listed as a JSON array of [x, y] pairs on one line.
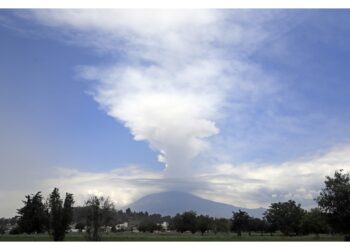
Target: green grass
[[172, 236]]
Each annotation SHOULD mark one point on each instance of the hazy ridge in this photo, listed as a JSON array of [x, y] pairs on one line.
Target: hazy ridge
[[172, 202]]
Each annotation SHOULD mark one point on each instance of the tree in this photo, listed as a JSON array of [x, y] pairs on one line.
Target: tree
[[334, 201], [3, 223], [2, 229], [314, 221], [240, 222], [256, 225], [61, 214], [204, 223], [285, 216], [221, 225], [113, 229], [185, 222], [93, 218], [148, 226], [107, 211], [56, 215], [99, 209], [80, 226], [189, 220], [15, 230], [269, 227], [33, 215], [67, 211]]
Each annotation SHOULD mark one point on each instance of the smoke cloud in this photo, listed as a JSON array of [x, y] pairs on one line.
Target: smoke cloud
[[173, 74]]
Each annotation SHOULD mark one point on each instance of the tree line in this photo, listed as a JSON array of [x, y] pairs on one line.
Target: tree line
[[53, 216], [56, 216]]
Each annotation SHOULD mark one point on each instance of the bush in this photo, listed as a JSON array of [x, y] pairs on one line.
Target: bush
[[80, 226], [148, 226], [15, 230]]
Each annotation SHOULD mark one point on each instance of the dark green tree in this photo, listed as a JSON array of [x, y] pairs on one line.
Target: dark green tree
[[15, 230], [128, 211], [107, 211], [56, 215], [93, 221], [256, 225], [33, 215], [148, 225], [204, 223], [269, 227], [61, 214], [314, 221], [334, 201], [99, 211], [186, 221], [240, 222], [285, 216], [67, 211], [221, 225], [2, 229], [80, 226], [113, 229], [177, 223]]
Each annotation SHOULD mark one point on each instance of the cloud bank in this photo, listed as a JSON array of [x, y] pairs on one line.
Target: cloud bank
[[247, 185]]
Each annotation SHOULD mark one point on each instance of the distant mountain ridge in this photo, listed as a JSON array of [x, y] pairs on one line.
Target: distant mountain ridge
[[173, 202]]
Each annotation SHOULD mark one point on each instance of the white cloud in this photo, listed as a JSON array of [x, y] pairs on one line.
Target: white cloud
[[175, 72], [244, 185], [255, 185], [249, 185], [122, 185]]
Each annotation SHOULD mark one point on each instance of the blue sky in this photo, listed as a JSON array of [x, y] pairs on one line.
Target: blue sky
[[312, 71], [40, 91], [174, 96]]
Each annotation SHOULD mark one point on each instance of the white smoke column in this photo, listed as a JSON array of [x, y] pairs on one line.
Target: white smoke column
[[171, 79], [168, 93]]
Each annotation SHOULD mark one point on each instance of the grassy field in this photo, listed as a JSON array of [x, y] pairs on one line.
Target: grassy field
[[127, 236]]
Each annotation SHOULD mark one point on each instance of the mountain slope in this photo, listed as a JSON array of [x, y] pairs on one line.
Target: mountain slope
[[172, 202]]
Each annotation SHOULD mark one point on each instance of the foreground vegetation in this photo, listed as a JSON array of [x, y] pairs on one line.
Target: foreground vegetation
[[174, 236], [57, 219]]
